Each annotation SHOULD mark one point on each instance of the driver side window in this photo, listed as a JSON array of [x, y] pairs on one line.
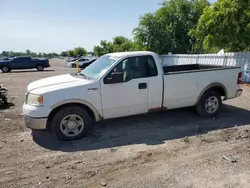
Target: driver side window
[[136, 67], [129, 68], [16, 60]]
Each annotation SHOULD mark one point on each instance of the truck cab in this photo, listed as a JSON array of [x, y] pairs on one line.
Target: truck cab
[[21, 62]]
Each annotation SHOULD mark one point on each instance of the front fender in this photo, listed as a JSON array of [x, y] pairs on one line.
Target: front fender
[[79, 101]]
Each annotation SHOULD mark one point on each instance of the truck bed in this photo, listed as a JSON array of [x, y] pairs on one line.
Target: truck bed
[[184, 83], [177, 69]]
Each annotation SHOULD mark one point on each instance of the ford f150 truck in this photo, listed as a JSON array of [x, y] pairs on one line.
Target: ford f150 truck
[[23, 62], [124, 84]]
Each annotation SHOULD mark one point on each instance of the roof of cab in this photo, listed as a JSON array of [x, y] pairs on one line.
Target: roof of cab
[[120, 54]]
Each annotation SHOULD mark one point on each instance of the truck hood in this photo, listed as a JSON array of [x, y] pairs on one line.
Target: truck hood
[[56, 82]]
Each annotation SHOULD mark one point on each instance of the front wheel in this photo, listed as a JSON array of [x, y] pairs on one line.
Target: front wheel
[[73, 65], [5, 100], [71, 123], [5, 69], [210, 104]]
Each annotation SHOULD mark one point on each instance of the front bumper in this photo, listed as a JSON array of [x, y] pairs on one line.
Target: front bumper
[[238, 93], [35, 123]]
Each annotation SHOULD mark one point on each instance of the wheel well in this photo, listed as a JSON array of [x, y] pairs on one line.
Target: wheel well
[[5, 66], [218, 89], [54, 111]]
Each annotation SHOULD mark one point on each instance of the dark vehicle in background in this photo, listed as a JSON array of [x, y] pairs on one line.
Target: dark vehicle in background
[[4, 59], [85, 64], [23, 62]]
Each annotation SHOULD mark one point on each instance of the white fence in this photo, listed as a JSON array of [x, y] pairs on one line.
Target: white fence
[[240, 59]]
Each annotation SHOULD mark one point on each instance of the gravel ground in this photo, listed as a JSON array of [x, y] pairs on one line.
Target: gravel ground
[[175, 148]]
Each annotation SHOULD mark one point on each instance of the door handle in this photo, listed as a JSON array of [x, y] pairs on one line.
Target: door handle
[[142, 85]]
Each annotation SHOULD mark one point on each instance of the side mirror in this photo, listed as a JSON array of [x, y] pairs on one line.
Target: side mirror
[[116, 77]]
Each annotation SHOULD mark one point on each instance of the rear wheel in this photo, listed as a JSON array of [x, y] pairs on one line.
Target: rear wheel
[[40, 68], [71, 123], [5, 100], [5, 69], [73, 65], [210, 104]]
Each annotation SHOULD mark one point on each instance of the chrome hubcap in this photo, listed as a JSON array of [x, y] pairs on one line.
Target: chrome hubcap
[[72, 125], [212, 105]]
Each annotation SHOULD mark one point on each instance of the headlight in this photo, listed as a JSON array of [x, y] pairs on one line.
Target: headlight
[[34, 100]]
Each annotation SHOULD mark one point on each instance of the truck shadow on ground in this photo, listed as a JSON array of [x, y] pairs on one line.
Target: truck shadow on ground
[[151, 129]]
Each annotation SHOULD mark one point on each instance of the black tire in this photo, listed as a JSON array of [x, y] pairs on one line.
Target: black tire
[[40, 68], [73, 65], [67, 111], [5, 69], [5, 100], [201, 107]]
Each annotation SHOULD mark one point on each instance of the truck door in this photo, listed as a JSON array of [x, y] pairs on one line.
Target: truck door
[[16, 63], [131, 96], [27, 63], [21, 63]]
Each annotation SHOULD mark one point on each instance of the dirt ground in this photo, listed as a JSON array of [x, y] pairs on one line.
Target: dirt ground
[[175, 148]]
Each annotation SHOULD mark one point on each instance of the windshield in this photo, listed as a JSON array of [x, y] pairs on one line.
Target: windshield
[[100, 65]]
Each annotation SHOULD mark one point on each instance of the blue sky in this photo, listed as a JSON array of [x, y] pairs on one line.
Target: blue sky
[[57, 25]]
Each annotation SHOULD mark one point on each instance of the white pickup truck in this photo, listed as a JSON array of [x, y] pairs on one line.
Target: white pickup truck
[[124, 84]]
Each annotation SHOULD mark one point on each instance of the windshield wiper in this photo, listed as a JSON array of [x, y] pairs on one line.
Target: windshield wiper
[[82, 75]]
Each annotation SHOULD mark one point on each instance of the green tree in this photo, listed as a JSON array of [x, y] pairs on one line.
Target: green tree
[[40, 54], [28, 52], [119, 44], [225, 25], [151, 34], [64, 54], [98, 51], [5, 53], [79, 51], [33, 54], [11, 54], [167, 30], [72, 53], [104, 48]]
